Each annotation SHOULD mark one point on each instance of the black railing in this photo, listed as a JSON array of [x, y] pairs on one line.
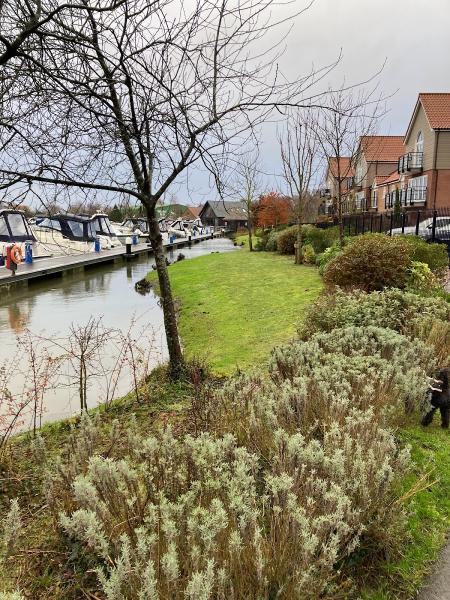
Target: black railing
[[410, 161], [431, 225]]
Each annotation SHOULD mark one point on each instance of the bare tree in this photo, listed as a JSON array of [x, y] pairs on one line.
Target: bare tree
[[352, 115], [120, 102], [248, 183], [299, 148]]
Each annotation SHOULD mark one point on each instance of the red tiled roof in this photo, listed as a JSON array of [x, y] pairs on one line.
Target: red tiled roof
[[392, 177], [382, 148], [380, 179], [193, 210], [345, 168], [437, 109]]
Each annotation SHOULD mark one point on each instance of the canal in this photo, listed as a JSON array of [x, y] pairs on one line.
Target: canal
[[50, 308]]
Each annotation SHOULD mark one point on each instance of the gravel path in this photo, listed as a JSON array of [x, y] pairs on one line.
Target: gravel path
[[438, 584]]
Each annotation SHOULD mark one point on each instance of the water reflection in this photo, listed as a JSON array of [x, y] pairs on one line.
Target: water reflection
[[49, 307]]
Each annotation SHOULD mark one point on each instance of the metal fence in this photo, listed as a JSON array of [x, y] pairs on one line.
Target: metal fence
[[432, 225]]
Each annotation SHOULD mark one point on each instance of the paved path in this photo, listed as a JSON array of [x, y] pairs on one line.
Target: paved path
[[438, 585]]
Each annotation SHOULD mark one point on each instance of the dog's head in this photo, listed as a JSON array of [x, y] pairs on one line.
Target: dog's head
[[443, 375]]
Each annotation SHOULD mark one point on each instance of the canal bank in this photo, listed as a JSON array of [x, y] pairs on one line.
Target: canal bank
[[48, 308]]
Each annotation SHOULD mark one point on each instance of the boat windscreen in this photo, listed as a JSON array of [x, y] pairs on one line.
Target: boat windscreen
[[76, 228], [102, 226], [18, 225], [49, 223], [4, 232]]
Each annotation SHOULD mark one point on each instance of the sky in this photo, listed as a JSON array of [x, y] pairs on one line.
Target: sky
[[412, 36]]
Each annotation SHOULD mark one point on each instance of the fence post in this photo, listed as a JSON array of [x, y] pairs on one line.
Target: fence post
[[349, 226], [381, 223], [356, 224], [417, 222], [363, 224], [391, 223], [403, 221], [371, 223], [433, 226]]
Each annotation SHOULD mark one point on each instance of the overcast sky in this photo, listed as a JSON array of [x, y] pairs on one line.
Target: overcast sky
[[413, 36]]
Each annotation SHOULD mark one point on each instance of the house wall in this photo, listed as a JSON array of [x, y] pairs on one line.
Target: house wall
[[442, 150], [421, 124]]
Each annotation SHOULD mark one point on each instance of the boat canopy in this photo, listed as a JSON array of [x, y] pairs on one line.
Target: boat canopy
[[14, 227], [136, 223], [102, 225], [72, 227]]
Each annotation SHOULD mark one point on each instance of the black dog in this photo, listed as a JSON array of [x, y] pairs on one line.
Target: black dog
[[440, 399]]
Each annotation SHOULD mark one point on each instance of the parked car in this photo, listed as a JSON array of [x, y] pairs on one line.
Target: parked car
[[442, 231]]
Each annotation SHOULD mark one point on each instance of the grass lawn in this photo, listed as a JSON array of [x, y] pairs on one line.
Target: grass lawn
[[236, 306], [428, 511]]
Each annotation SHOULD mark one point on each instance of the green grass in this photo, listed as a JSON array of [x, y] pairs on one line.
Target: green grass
[[236, 306], [428, 510]]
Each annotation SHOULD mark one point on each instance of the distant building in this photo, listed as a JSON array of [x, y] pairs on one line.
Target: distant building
[[170, 211], [229, 215], [191, 213]]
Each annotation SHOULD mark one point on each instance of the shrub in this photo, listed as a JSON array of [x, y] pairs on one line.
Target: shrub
[[287, 239], [433, 255], [272, 241], [371, 262], [262, 240], [203, 518], [320, 239], [404, 312], [309, 256], [382, 368], [421, 278], [328, 255]]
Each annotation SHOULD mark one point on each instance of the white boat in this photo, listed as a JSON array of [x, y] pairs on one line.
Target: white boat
[[138, 226], [66, 234], [104, 230], [178, 228], [14, 229]]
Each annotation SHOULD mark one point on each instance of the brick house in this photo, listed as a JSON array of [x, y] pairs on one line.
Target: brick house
[[424, 167], [375, 162]]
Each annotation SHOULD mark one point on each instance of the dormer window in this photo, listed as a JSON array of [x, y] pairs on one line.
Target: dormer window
[[419, 142]]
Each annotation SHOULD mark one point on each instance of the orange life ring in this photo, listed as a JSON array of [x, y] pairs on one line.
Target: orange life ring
[[16, 254]]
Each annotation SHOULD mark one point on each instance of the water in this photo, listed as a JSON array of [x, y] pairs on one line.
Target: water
[[48, 308]]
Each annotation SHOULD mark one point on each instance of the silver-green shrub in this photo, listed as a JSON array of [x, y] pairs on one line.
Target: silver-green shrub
[[391, 309], [206, 519]]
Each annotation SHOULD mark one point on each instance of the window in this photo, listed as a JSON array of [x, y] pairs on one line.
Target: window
[[49, 224], [374, 199], [4, 232], [419, 142], [17, 224], [76, 228], [358, 173]]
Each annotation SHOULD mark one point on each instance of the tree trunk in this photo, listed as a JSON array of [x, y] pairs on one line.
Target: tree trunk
[[298, 247], [340, 219], [250, 237], [168, 305]]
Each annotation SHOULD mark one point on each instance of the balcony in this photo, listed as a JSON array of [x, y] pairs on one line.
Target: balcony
[[415, 195], [325, 193], [412, 161]]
